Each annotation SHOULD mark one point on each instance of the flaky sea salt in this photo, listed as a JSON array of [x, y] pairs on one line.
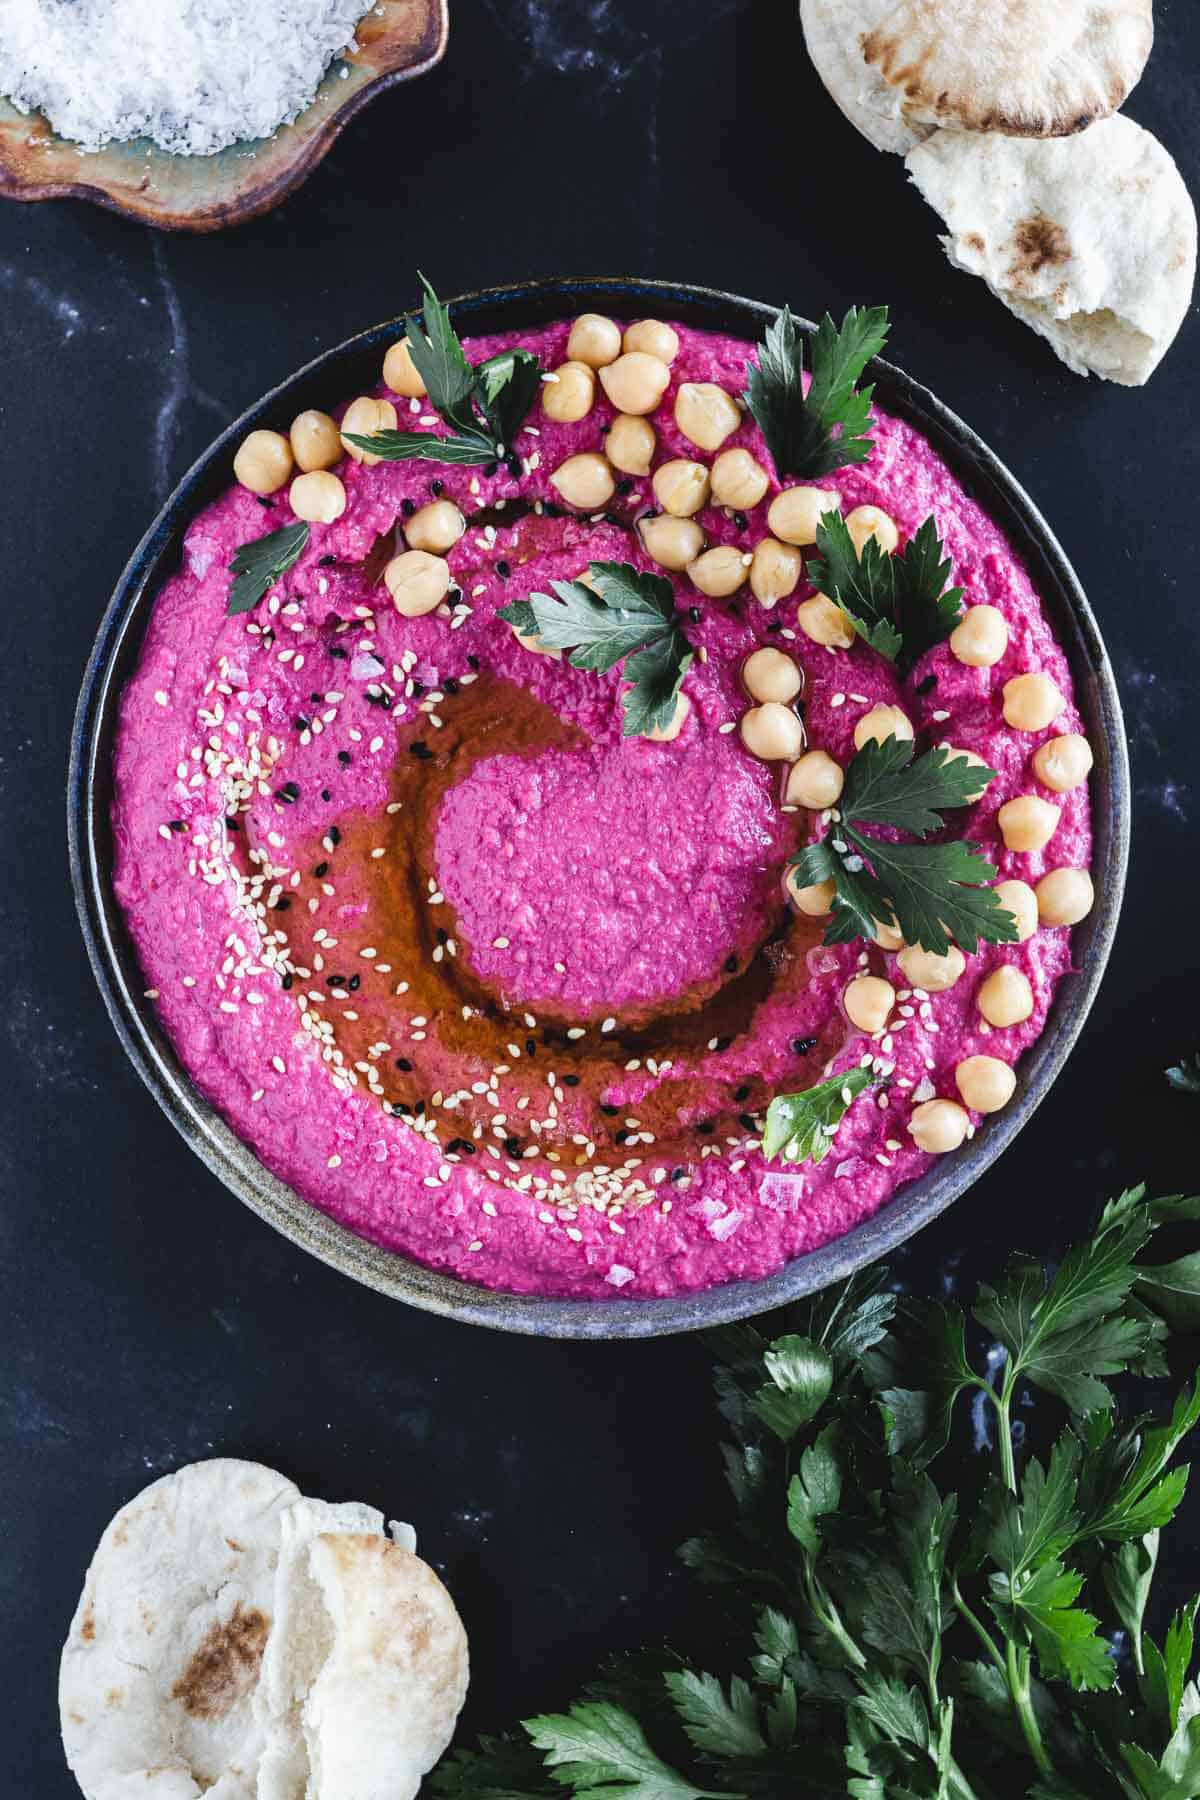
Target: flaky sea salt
[[194, 75]]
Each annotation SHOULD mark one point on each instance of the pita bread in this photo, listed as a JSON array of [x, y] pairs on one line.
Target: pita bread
[[834, 31], [1029, 68], [1091, 240]]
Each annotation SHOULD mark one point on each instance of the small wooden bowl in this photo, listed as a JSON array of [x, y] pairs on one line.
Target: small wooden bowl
[[397, 39]]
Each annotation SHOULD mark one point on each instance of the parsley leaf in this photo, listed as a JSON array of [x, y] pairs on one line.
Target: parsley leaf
[[900, 602], [933, 892], [258, 565], [818, 432], [726, 1726], [802, 1127], [801, 1375], [600, 1752], [624, 615]]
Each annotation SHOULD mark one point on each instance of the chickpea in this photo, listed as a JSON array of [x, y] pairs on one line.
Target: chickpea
[[775, 571], [938, 1126], [1027, 823], [363, 418], [585, 481], [888, 937], [872, 522], [772, 732], [317, 495], [706, 414], [823, 620], [814, 902], [771, 675], [1031, 702], [681, 487], [630, 444], [1006, 997], [400, 371], [1063, 763], [673, 543], [868, 1001], [263, 462], [973, 762], [665, 734], [880, 723], [719, 571], [1065, 896], [738, 480], [980, 638], [797, 511], [635, 383], [931, 973], [1019, 899], [569, 394], [529, 640], [985, 1083], [417, 582], [652, 336], [316, 441], [594, 340], [816, 781], [436, 527]]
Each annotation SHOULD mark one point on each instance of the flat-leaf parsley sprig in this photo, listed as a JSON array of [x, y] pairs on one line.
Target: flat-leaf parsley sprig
[[899, 603], [627, 615], [801, 1127], [931, 892], [816, 432], [484, 407], [258, 565]]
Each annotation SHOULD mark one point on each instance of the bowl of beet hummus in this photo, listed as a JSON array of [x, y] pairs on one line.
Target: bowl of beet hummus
[[480, 988]]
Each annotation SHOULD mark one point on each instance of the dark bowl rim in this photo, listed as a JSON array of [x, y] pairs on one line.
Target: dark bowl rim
[[202, 1127]]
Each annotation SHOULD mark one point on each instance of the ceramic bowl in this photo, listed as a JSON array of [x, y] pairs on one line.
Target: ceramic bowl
[[353, 367], [396, 40]]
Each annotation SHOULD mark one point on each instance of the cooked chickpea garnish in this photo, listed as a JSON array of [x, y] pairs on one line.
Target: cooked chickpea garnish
[[771, 675], [652, 336], [1019, 899], [772, 732], [888, 937], [1031, 702], [872, 522], [417, 582], [880, 723], [1006, 997], [797, 511], [365, 417], [529, 640], [400, 371], [1027, 823], [775, 571], [673, 543], [594, 340], [630, 444], [1065, 896], [1063, 763], [435, 527], [719, 571], [937, 1126], [681, 487], [823, 620], [814, 902], [635, 383], [316, 441], [985, 1083], [318, 496], [571, 394], [738, 481], [972, 761], [664, 734], [263, 462], [706, 414], [868, 1001], [585, 481], [931, 973], [980, 638], [816, 781]]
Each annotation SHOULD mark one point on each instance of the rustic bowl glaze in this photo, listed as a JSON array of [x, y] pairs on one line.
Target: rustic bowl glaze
[[351, 368], [396, 40]]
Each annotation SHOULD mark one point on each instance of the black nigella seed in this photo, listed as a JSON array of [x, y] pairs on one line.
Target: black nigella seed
[[325, 794], [263, 500], [802, 1046], [323, 562], [503, 569], [285, 982], [335, 836], [513, 1146], [455, 1145], [695, 615], [321, 871], [570, 1081], [436, 488], [706, 1127], [491, 468], [551, 510], [676, 1174], [233, 824], [336, 651], [345, 758], [620, 1137], [335, 981], [419, 1108], [421, 750], [282, 795], [408, 508], [178, 825], [927, 686], [747, 1121], [468, 1149], [291, 790], [443, 936], [402, 1062], [418, 688], [723, 1043], [741, 521], [303, 724], [610, 1112], [316, 699], [625, 485], [354, 983], [450, 686], [775, 625], [282, 904], [472, 662], [731, 963], [743, 1093], [531, 1046]]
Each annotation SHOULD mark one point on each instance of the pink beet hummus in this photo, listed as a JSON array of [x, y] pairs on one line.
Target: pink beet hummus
[[474, 974]]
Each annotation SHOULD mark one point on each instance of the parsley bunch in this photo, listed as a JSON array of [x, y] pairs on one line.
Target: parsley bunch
[[899, 603], [816, 432], [921, 1621]]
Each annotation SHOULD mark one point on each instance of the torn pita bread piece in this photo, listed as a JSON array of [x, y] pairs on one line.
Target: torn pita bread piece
[[210, 1653], [1090, 240], [1027, 68], [834, 31]]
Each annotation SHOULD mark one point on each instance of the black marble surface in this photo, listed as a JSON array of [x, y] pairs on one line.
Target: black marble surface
[[145, 1317]]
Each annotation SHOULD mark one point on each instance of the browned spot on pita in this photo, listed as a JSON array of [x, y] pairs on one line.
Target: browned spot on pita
[[974, 241], [234, 1545], [114, 1698], [76, 1718], [225, 1667], [1041, 244], [87, 1625], [121, 1535]]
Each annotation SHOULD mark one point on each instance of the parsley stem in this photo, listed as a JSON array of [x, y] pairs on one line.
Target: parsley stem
[[830, 1618], [1019, 1688], [978, 1627], [1003, 1403]]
